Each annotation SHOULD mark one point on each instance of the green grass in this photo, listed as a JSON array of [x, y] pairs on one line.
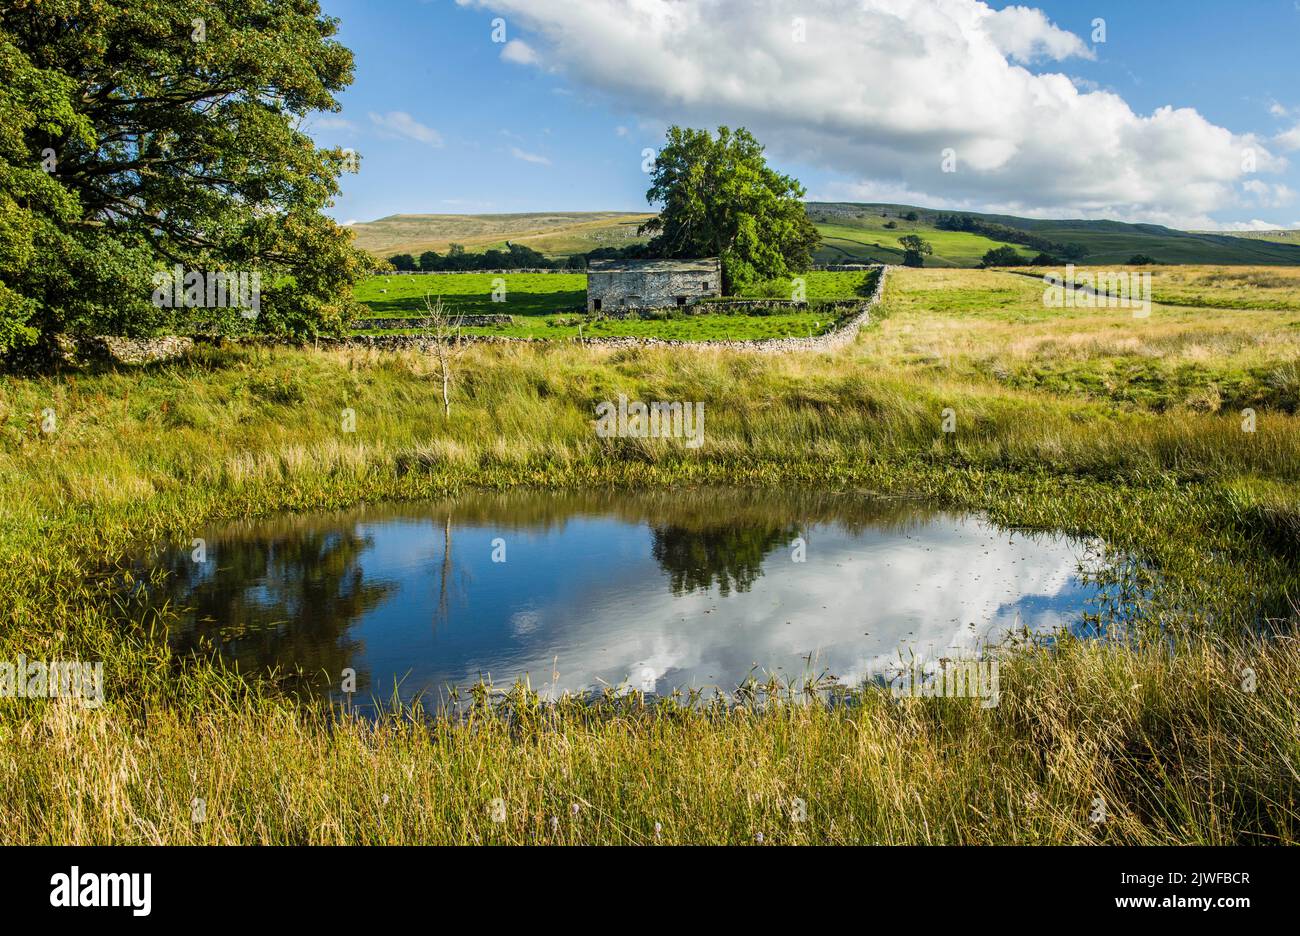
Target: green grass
[[552, 306], [869, 241], [1207, 514], [531, 294]]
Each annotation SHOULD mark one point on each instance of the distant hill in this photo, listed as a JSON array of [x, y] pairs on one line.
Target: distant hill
[[555, 233], [851, 232], [1278, 237]]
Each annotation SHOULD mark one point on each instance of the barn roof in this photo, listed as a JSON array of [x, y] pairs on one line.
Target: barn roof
[[653, 266]]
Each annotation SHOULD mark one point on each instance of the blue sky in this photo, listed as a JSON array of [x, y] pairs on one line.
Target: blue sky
[[1187, 113]]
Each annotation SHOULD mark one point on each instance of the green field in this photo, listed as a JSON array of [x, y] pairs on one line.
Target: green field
[[527, 294], [552, 305], [871, 242]]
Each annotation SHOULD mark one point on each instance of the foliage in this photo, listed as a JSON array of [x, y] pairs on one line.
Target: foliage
[[915, 250], [138, 136], [721, 199], [1002, 256]]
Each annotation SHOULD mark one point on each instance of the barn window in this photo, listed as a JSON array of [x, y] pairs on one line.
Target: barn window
[[595, 305], [681, 300], [706, 284]]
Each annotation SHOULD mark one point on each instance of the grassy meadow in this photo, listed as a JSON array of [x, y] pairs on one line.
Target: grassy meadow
[[553, 306], [1086, 421]]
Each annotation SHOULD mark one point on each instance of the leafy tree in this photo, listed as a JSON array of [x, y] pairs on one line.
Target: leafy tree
[[1142, 260], [915, 250], [137, 136], [430, 261], [911, 216], [1002, 256], [721, 199], [1044, 259], [403, 263]]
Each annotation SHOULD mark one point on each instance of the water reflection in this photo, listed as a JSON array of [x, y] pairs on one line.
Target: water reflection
[[577, 591]]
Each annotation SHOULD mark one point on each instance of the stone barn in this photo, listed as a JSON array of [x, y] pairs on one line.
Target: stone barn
[[618, 285]]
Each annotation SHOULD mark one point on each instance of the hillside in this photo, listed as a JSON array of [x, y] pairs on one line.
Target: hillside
[[857, 232], [1278, 237], [555, 233], [851, 232]]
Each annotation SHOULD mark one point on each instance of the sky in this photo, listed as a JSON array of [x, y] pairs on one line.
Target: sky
[[1181, 113]]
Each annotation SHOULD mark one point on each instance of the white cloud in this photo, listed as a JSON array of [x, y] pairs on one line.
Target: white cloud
[[517, 153], [330, 122], [1268, 196], [519, 52], [1027, 35], [882, 87], [1277, 110], [1290, 140], [403, 125], [1254, 224], [621, 131]]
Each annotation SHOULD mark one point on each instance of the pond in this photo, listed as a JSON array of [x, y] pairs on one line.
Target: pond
[[653, 591]]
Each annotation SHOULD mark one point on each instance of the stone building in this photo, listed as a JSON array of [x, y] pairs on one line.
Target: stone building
[[617, 285]]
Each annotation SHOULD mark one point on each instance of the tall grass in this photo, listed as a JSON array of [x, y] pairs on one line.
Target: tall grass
[[1168, 748], [1205, 515]]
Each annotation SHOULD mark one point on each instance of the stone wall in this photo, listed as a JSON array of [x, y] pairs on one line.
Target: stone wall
[[79, 351], [145, 350], [465, 320]]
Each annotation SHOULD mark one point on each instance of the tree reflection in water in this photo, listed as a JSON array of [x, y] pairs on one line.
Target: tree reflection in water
[[730, 556], [287, 601]]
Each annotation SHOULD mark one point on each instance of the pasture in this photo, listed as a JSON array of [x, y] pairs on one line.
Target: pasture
[[552, 306]]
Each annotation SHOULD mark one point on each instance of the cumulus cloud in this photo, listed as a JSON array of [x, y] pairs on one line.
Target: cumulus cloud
[[879, 89], [1290, 140], [403, 125], [1255, 224], [1268, 196], [517, 153], [330, 122], [520, 53], [1027, 35]]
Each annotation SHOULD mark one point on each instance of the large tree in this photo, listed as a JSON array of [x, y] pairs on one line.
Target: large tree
[[720, 198], [141, 135]]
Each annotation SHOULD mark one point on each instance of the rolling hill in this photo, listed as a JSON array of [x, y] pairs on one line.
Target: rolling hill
[[854, 231], [851, 232], [1291, 236], [555, 233]]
